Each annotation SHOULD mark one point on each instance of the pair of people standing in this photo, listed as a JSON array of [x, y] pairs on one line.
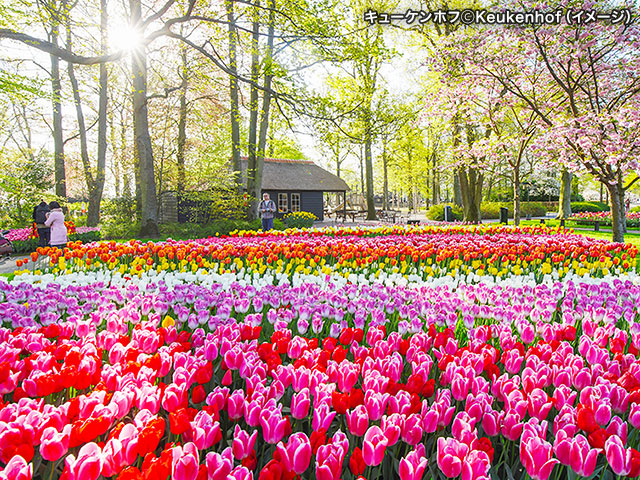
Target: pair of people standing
[[49, 220]]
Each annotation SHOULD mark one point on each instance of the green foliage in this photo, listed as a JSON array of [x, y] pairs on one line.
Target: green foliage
[[206, 207], [635, 209], [118, 218], [491, 210], [436, 212], [23, 183], [299, 219], [185, 231], [578, 207]]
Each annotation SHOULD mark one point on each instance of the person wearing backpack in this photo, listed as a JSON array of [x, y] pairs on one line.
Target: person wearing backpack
[[267, 210], [40, 217], [55, 220]]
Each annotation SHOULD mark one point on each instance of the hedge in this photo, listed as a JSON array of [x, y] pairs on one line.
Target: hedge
[[579, 207]]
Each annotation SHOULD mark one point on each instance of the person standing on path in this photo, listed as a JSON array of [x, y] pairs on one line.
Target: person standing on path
[[40, 216], [267, 210], [55, 220]]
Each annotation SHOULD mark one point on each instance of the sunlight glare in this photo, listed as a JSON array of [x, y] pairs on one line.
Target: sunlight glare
[[125, 37]]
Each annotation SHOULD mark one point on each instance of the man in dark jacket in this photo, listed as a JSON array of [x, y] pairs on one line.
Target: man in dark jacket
[[40, 216]]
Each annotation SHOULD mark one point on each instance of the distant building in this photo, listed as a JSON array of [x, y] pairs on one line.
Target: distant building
[[297, 185], [294, 185]]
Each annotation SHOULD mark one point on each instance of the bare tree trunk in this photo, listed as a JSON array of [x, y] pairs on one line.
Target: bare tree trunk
[[435, 188], [362, 169], [233, 94], [618, 214], [182, 125], [143, 148], [368, 159], [385, 184], [471, 189], [564, 204], [253, 183], [516, 194], [56, 99], [266, 96]]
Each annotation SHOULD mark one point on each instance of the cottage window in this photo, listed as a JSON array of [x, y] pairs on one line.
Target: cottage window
[[283, 204], [295, 202]]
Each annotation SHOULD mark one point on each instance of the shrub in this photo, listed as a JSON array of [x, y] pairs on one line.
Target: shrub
[[491, 210], [436, 212], [579, 207], [186, 231], [299, 219]]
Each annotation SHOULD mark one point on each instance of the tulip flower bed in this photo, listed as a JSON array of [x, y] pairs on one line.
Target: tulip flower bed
[[587, 218], [390, 352], [275, 382], [373, 255]]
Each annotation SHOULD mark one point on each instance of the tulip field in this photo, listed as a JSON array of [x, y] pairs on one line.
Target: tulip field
[[421, 352]]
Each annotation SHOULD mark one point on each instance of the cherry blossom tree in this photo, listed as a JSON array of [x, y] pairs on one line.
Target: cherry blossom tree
[[582, 81]]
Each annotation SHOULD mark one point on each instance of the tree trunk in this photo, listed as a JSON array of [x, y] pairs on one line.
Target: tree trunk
[[471, 191], [266, 95], [233, 95], [95, 197], [362, 169], [368, 161], [143, 148], [516, 194], [618, 215], [182, 125], [253, 183], [385, 184], [435, 186], [564, 204], [56, 100]]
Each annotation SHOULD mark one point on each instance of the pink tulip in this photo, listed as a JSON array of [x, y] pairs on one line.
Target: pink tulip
[[583, 457], [412, 429], [219, 466], [330, 457], [618, 457], [243, 443], [185, 462], [376, 404], [491, 422], [300, 403], [240, 473], [296, 456], [88, 464], [374, 446], [413, 465], [54, 445], [476, 466], [273, 425], [536, 455], [347, 376], [252, 411], [358, 420], [17, 469], [634, 415], [204, 430], [235, 405], [173, 397], [451, 454], [392, 428], [322, 417], [513, 361], [539, 404]]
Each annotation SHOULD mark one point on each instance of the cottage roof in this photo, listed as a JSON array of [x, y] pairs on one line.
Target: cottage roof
[[283, 174]]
